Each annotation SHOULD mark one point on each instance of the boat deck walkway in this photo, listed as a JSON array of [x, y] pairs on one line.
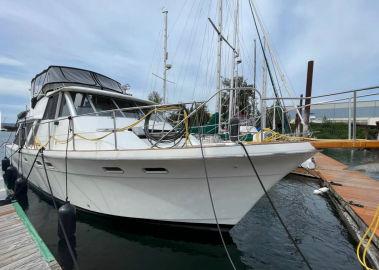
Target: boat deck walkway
[[20, 245]]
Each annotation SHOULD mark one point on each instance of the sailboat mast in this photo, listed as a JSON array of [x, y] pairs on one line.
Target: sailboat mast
[[218, 78], [165, 57], [232, 95], [254, 75], [255, 62], [264, 89]]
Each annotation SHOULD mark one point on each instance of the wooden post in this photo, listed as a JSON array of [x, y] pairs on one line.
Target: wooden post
[[297, 119], [349, 121], [355, 115], [308, 94]]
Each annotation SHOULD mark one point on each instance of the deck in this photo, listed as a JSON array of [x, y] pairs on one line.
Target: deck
[[358, 190], [20, 245], [354, 194]]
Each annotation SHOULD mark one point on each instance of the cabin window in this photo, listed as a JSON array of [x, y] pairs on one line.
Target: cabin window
[[34, 130], [21, 134], [82, 103], [124, 104], [88, 103], [103, 103], [51, 107], [17, 136], [28, 128], [64, 110]]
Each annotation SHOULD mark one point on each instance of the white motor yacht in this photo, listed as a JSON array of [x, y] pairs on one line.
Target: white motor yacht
[[125, 159]]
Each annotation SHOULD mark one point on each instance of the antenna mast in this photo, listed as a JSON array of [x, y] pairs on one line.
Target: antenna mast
[[233, 93], [165, 57], [218, 78], [264, 89], [254, 76]]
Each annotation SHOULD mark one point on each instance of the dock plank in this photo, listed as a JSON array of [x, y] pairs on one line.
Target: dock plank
[[354, 187], [18, 247], [9, 246]]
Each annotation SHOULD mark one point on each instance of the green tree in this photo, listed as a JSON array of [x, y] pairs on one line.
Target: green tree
[[154, 96], [244, 100], [201, 116]]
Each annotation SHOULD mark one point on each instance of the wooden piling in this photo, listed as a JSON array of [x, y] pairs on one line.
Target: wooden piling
[[308, 95]]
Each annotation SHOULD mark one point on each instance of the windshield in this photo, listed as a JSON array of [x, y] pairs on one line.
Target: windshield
[[82, 104], [89, 103]]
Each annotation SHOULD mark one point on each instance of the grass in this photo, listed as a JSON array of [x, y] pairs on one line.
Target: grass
[[331, 130]]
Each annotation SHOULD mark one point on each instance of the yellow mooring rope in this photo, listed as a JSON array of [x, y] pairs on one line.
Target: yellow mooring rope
[[369, 233], [38, 144], [276, 136], [273, 136], [161, 109]]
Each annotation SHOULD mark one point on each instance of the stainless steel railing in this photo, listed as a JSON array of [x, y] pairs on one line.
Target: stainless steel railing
[[113, 114]]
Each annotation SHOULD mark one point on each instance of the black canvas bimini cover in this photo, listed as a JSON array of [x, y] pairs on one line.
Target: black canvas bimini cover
[[53, 76]]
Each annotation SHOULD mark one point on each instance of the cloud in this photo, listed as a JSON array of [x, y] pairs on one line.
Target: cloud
[[124, 42], [7, 61], [338, 35], [14, 87]]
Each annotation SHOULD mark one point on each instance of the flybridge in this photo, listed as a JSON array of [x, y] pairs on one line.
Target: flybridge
[[56, 76]]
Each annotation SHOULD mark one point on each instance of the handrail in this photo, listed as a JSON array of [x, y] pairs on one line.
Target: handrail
[[112, 112], [326, 95], [115, 110], [329, 101], [205, 102]]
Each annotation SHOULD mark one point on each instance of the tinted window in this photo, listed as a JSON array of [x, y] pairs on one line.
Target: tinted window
[[124, 104], [21, 134], [51, 107], [17, 136], [78, 75], [81, 103], [108, 83], [63, 110], [103, 103]]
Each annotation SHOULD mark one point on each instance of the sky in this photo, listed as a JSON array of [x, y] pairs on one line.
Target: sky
[[124, 39]]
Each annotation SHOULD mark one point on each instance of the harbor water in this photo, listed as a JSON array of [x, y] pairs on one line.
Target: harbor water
[[258, 241]]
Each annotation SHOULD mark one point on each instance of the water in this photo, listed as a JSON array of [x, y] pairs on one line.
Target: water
[[259, 241], [366, 161]]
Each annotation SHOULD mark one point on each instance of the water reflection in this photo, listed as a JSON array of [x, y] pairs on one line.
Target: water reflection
[[23, 201], [64, 254], [366, 160], [259, 241]]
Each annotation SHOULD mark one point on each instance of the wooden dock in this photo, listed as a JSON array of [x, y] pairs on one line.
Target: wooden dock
[[358, 190], [355, 195], [340, 143], [20, 245]]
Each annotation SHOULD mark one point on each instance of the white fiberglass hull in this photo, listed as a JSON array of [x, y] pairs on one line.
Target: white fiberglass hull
[[141, 188]]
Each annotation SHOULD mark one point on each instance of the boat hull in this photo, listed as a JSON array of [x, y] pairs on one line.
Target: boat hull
[[165, 185]]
